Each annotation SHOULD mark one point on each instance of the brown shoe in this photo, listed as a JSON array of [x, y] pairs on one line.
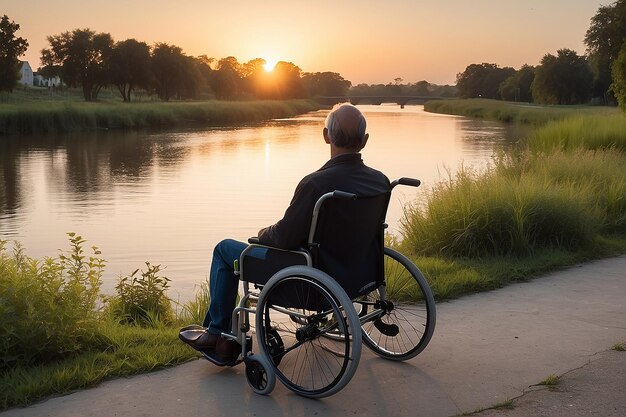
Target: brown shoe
[[227, 350], [200, 341]]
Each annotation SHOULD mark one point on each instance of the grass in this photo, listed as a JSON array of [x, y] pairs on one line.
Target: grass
[[531, 212], [509, 112], [453, 277], [504, 405], [128, 350], [620, 347], [551, 381], [588, 132], [541, 208], [59, 334], [55, 116]]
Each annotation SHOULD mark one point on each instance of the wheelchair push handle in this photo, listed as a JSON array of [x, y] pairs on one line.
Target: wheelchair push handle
[[344, 195], [412, 182]]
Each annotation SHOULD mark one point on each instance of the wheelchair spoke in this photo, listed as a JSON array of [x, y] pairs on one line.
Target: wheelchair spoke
[[408, 312], [316, 350]]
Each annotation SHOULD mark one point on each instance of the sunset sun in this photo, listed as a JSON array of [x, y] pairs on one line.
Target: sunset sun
[[270, 64]]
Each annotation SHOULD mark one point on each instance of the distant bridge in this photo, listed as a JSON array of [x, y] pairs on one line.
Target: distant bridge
[[376, 100]]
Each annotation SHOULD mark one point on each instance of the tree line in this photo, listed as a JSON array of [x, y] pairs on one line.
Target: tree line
[[397, 88], [564, 78], [91, 61]]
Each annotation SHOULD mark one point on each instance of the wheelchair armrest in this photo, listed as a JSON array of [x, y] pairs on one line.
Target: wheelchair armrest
[[254, 240]]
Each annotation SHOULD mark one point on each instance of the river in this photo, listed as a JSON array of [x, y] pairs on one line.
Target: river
[[169, 197]]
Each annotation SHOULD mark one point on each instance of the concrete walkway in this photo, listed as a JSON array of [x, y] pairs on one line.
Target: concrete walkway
[[487, 348]]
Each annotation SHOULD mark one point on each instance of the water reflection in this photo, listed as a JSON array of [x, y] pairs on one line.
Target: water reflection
[[170, 197]]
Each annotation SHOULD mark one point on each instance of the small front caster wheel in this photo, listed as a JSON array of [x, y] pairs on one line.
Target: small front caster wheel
[[260, 374]]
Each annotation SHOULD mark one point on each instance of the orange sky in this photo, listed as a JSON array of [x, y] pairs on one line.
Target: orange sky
[[364, 40]]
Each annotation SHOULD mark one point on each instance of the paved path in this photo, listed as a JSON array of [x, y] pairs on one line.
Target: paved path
[[596, 389], [487, 348]]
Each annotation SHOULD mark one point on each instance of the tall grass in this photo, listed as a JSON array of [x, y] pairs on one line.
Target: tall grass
[[509, 112], [484, 214], [61, 117], [194, 310], [597, 177], [589, 132], [561, 200]]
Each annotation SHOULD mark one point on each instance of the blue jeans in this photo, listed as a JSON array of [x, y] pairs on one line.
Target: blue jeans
[[224, 284]]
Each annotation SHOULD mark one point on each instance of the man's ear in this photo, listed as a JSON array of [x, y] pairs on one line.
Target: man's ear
[[326, 137], [365, 138]]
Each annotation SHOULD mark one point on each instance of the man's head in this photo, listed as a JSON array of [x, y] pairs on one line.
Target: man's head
[[345, 129]]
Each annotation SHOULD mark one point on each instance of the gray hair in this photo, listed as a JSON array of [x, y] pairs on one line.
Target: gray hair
[[345, 136]]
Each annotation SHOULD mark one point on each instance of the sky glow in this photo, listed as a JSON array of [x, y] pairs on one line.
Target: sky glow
[[365, 41]]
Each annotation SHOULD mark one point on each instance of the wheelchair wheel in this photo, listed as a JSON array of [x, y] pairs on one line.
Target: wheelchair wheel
[[260, 374], [292, 331], [398, 318]]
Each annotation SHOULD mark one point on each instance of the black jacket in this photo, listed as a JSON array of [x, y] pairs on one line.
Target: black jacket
[[345, 172]]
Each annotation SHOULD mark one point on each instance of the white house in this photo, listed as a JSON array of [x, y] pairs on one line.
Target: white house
[[26, 74], [41, 81]]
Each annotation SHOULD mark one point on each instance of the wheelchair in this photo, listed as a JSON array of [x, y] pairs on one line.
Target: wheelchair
[[323, 302]]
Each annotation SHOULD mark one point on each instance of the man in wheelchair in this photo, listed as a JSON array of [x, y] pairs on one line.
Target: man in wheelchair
[[345, 133]]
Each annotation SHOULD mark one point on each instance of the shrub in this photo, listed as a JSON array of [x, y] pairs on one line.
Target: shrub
[[141, 297], [48, 307]]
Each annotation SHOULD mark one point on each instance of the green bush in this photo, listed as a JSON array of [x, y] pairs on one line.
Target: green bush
[[142, 298], [48, 307]]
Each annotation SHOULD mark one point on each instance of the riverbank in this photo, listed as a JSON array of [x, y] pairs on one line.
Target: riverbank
[[56, 116], [488, 349], [533, 212], [558, 200], [509, 112]]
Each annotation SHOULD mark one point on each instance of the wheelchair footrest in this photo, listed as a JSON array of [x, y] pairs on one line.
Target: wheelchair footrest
[[212, 356]]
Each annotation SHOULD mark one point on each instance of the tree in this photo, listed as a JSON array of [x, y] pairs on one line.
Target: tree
[[288, 80], [254, 77], [227, 81], [330, 84], [604, 38], [482, 80], [81, 57], [11, 48], [191, 78], [205, 74], [518, 87], [618, 72], [563, 79], [129, 67], [168, 66], [420, 88]]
